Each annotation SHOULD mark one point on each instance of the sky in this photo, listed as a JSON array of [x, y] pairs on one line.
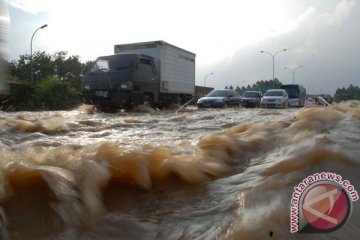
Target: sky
[[227, 36]]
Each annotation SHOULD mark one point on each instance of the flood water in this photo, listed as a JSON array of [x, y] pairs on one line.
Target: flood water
[[194, 174]]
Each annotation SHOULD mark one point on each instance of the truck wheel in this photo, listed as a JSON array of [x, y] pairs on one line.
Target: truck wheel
[[147, 101], [103, 108]]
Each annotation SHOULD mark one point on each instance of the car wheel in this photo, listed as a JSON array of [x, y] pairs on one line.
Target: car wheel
[[285, 104]]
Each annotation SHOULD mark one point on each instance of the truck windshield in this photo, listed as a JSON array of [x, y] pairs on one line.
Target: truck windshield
[[101, 64], [114, 62]]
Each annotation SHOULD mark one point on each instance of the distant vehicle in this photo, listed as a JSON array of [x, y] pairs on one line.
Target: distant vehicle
[[220, 98], [277, 98], [327, 97], [309, 102], [296, 94], [251, 98], [151, 73]]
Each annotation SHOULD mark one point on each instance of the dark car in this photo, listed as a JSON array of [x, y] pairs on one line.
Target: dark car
[[251, 99], [220, 98]]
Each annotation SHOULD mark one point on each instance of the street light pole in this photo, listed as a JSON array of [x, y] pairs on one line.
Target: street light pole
[[273, 60], [206, 77], [293, 71], [31, 64]]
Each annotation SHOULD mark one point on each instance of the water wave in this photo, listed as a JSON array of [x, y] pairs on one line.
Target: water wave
[[233, 183]]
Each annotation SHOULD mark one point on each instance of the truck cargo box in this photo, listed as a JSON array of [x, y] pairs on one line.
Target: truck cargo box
[[177, 66]]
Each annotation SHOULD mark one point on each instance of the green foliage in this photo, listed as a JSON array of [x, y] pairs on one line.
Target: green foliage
[[43, 66], [20, 98], [351, 93], [67, 68], [50, 94], [21, 68], [57, 81], [53, 94], [261, 86], [87, 65]]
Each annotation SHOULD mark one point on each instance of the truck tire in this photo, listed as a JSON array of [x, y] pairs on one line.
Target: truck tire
[[106, 108], [102, 107], [147, 101]]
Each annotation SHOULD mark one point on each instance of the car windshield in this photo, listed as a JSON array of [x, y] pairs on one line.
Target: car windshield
[[274, 93], [219, 93], [251, 94]]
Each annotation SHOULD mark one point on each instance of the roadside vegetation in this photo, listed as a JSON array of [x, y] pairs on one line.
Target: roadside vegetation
[[350, 93], [261, 86], [56, 82]]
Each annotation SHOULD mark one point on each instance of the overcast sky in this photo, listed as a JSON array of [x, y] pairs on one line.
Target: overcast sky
[[323, 36]]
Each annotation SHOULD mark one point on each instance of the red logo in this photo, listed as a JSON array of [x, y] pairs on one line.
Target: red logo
[[325, 207]]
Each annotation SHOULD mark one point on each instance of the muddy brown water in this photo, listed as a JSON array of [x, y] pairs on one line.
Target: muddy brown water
[[198, 174]]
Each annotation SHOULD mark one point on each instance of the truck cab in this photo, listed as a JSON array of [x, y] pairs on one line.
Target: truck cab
[[121, 80]]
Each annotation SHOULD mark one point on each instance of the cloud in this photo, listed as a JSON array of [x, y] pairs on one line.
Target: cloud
[[323, 41], [30, 6], [342, 10]]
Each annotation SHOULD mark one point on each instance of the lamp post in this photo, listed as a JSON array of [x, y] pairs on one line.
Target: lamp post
[[206, 77], [273, 59], [31, 65], [293, 72]]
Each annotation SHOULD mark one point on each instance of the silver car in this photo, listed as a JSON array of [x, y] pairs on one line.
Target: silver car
[[275, 98]]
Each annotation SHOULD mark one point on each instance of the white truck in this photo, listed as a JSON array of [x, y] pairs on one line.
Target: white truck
[[152, 73]]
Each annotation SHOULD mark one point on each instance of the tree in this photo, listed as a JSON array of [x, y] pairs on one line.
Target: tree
[[57, 82], [67, 68], [87, 66], [21, 68], [351, 93], [259, 86], [43, 66]]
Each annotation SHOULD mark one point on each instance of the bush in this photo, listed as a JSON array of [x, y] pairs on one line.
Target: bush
[[53, 94], [20, 97], [50, 94]]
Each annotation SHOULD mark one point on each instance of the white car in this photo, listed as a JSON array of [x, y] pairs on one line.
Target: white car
[[309, 102], [275, 98]]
